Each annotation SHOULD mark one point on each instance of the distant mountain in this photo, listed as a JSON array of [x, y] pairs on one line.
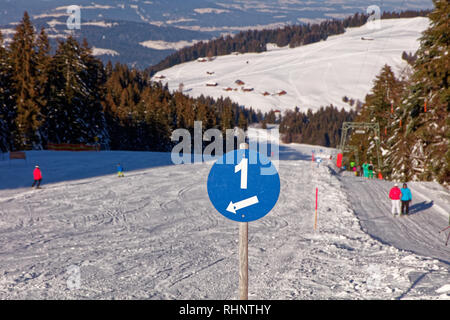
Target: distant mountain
[[205, 15], [143, 32], [134, 43]]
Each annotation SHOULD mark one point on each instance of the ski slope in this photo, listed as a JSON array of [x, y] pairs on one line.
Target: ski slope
[[312, 76], [419, 231], [155, 235]]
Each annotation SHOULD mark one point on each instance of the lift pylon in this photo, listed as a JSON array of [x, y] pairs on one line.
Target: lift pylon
[[360, 128]]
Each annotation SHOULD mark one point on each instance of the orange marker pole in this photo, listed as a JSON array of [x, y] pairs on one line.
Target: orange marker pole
[[425, 106]]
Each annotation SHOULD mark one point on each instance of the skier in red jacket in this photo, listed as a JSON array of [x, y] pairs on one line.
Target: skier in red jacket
[[37, 175], [395, 194]]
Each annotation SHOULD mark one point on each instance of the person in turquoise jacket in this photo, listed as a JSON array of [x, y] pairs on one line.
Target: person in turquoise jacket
[[365, 167], [406, 198]]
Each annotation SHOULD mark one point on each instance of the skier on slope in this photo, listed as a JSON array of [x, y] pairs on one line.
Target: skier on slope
[[352, 165], [395, 194], [37, 175], [120, 170], [406, 198]]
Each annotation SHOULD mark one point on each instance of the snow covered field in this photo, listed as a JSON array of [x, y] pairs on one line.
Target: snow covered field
[[155, 235], [312, 76]]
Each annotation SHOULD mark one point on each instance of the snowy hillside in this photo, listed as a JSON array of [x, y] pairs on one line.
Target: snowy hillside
[[308, 76], [155, 235]]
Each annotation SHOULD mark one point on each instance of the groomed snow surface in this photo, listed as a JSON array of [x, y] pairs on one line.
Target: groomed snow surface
[[312, 76], [155, 235]]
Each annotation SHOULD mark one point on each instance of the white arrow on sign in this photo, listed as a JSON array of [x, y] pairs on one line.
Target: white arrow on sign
[[233, 207]]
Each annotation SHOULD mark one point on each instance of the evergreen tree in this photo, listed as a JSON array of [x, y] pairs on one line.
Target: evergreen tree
[[7, 113], [75, 114], [416, 144], [427, 131], [382, 106], [242, 122], [227, 116], [93, 77], [62, 114], [432, 64], [43, 59], [319, 128], [24, 77]]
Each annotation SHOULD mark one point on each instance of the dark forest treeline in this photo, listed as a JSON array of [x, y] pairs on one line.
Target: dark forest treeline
[[71, 97], [141, 114], [320, 128], [256, 40]]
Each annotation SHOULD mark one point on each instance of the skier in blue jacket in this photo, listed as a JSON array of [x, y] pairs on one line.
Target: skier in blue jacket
[[120, 170], [406, 198]]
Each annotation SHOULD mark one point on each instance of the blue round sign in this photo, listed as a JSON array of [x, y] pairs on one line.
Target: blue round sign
[[243, 185]]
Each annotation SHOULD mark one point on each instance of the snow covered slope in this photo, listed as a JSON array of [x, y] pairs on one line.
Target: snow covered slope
[[429, 213], [155, 235], [312, 76]]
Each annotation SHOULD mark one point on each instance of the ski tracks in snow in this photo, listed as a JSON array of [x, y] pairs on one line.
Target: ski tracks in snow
[[155, 235], [417, 233]]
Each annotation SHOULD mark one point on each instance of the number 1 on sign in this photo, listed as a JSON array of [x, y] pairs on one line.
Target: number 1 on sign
[[243, 168]]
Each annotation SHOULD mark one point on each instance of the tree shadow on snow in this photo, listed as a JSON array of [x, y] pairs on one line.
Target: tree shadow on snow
[[61, 166], [287, 153]]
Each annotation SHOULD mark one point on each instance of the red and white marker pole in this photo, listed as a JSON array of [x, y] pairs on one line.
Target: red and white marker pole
[[315, 214]]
